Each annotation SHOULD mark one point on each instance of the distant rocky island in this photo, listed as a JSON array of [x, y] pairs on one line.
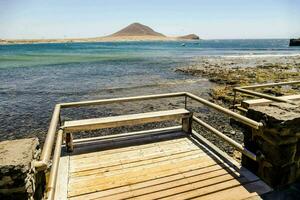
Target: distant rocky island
[[190, 37], [295, 42], [133, 32]]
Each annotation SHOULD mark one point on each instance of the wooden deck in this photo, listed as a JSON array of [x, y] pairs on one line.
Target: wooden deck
[[169, 165]]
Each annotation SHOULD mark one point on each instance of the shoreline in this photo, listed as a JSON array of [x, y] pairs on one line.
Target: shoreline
[[97, 39], [261, 55], [232, 71]]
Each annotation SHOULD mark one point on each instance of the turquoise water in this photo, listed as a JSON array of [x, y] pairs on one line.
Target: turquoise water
[[37, 55], [33, 77]]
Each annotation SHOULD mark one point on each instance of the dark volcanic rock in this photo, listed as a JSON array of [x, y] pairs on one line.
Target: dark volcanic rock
[[295, 42], [190, 37]]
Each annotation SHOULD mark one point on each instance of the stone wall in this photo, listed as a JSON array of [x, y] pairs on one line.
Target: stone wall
[[18, 178], [278, 142]]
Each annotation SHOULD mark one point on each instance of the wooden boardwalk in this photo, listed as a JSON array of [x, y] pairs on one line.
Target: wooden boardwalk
[[170, 165]]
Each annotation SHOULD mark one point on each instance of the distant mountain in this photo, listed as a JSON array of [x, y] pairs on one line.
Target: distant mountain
[[133, 32], [137, 29]]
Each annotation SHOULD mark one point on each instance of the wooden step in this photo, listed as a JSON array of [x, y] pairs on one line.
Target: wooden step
[[125, 120]]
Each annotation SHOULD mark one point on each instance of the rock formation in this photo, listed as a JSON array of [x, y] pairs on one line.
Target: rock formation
[[189, 37], [295, 42]]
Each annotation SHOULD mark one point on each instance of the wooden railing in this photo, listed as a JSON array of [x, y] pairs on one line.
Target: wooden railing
[[248, 90], [55, 125]]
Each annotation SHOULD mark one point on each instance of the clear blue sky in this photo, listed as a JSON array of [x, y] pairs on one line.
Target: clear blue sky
[[209, 19]]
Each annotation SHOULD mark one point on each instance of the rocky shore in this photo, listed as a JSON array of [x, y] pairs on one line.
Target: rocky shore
[[229, 72]]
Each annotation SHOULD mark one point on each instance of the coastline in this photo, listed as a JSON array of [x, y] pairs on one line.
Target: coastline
[[96, 39], [261, 56], [232, 71]]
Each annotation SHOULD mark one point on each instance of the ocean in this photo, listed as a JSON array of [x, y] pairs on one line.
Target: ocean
[[34, 77]]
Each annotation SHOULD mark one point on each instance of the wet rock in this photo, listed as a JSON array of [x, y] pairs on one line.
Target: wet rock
[[232, 72], [294, 42]]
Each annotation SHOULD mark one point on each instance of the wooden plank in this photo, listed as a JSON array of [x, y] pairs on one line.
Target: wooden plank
[[125, 150], [188, 190], [158, 184], [129, 155], [138, 156], [61, 189], [100, 169], [236, 191], [222, 156], [84, 141], [259, 102], [231, 189], [136, 174], [124, 120], [123, 143], [125, 176], [181, 168], [102, 193]]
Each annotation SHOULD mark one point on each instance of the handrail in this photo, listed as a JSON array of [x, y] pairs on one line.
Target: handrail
[[269, 85], [246, 90], [49, 141], [265, 96], [227, 139], [120, 100], [48, 145], [238, 117], [50, 189]]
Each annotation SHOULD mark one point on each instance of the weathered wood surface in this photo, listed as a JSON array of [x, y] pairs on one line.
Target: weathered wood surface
[[61, 190], [125, 120], [172, 166]]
